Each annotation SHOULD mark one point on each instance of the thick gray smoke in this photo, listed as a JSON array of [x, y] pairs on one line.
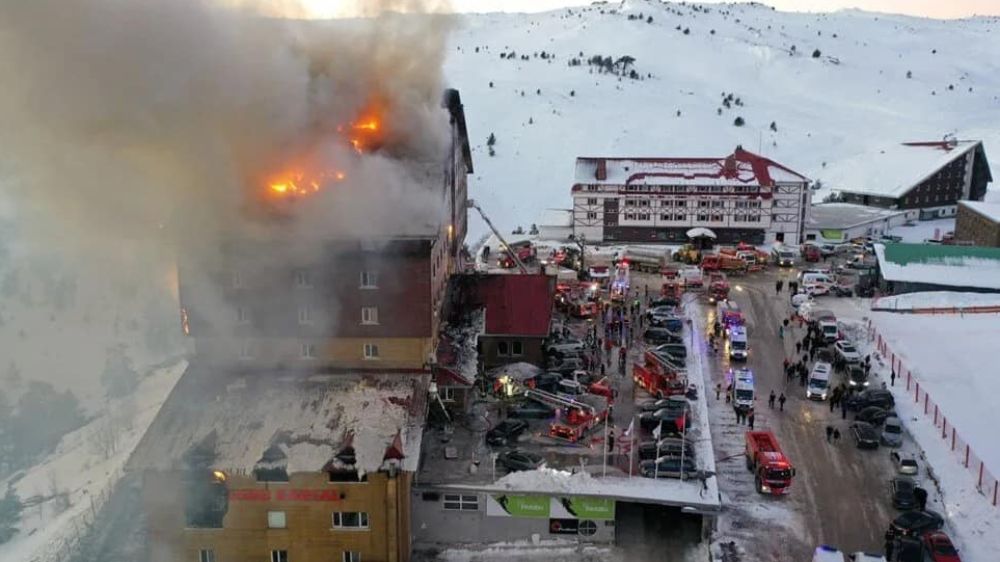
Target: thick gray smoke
[[129, 126], [122, 117]]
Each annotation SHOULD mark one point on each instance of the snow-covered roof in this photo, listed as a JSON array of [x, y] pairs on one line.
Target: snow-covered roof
[[247, 422], [988, 210], [947, 300], [846, 215], [740, 168], [894, 170], [951, 266]]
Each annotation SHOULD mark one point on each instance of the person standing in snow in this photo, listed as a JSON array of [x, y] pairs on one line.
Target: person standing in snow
[[836, 435], [718, 390], [892, 378], [781, 402], [771, 399], [777, 286], [750, 418], [829, 433]]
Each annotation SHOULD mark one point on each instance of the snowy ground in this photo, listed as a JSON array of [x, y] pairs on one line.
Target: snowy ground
[[85, 467], [936, 299], [924, 230], [855, 97]]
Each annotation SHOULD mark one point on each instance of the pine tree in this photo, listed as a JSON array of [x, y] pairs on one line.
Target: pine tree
[[10, 515], [739, 122]]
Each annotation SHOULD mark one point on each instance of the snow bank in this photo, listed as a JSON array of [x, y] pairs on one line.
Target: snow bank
[[936, 299]]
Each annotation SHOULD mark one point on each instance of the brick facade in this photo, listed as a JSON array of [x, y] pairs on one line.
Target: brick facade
[[980, 230]]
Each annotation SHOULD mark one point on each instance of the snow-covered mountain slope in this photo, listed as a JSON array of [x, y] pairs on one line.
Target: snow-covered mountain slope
[[855, 96]]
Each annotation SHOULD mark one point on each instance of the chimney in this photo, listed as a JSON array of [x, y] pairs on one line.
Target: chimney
[[602, 170]]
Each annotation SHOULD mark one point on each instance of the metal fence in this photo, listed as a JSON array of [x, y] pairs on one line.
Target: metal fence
[[987, 483]]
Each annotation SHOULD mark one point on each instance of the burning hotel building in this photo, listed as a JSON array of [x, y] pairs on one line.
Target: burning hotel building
[[295, 433]]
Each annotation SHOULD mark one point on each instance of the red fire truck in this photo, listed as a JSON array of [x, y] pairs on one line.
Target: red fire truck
[[722, 262], [525, 252], [578, 415], [658, 376], [718, 287], [772, 470]]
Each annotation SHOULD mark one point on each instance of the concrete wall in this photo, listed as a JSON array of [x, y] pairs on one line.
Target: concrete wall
[[434, 525]]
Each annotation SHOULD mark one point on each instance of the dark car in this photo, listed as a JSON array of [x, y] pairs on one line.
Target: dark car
[[506, 432], [667, 467], [913, 523], [901, 489], [871, 397], [873, 415], [548, 381], [673, 420], [865, 435], [676, 350], [666, 447], [856, 376], [655, 334], [842, 290], [519, 460], [672, 323], [909, 549], [677, 403], [663, 302], [530, 409], [661, 310]]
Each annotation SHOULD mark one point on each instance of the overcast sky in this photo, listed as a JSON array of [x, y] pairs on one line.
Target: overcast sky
[[930, 8]]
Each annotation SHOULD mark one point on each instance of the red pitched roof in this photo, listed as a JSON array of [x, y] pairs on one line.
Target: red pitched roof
[[517, 305]]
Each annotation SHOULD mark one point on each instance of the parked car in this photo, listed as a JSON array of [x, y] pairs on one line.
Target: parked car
[[676, 403], [874, 415], [856, 377], [663, 302], [564, 347], [909, 549], [901, 490], [904, 464], [798, 299], [672, 323], [506, 432], [661, 310], [871, 397], [517, 459], [656, 334], [892, 432], [668, 446], [846, 351], [673, 421], [529, 409], [827, 250], [547, 381], [842, 290], [939, 547], [566, 365], [915, 523], [667, 467], [678, 350], [865, 436]]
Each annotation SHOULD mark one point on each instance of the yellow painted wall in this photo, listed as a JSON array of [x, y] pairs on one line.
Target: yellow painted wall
[[394, 353]]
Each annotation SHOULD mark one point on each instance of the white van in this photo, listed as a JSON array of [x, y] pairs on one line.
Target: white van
[[818, 386], [817, 278], [783, 257], [824, 553], [739, 346], [743, 389]]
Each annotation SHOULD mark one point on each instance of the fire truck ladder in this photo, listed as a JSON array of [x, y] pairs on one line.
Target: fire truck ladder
[[557, 401], [510, 251]]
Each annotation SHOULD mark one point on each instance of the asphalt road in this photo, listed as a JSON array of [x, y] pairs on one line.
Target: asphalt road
[[840, 492]]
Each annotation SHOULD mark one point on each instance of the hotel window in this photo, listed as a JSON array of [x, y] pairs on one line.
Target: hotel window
[[644, 203], [630, 216], [717, 218], [503, 348], [305, 315], [206, 555], [739, 218], [279, 556], [246, 349], [237, 280], [371, 351], [369, 280], [665, 217], [351, 556], [702, 218], [242, 315], [350, 520], [643, 216], [276, 520], [369, 315], [461, 502], [703, 204], [516, 348], [718, 204], [592, 201], [447, 393], [303, 279], [308, 351], [680, 217], [591, 215]]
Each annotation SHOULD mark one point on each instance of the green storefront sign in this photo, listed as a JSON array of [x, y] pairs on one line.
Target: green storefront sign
[[520, 506], [830, 234], [589, 508]]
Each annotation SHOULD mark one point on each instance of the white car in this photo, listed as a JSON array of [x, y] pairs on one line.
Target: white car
[[816, 289], [846, 351], [798, 299], [565, 347]]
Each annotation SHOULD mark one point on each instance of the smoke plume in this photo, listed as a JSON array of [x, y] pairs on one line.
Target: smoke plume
[[122, 118]]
